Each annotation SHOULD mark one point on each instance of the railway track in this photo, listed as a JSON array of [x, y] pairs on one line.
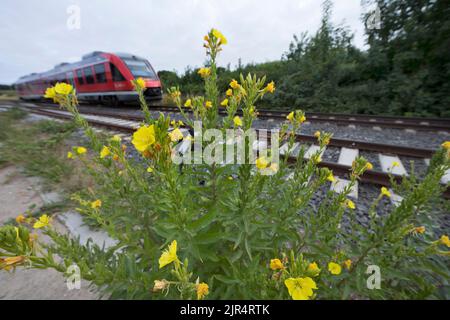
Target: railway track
[[349, 149], [376, 121]]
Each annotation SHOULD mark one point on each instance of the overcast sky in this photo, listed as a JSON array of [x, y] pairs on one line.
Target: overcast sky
[[34, 35]]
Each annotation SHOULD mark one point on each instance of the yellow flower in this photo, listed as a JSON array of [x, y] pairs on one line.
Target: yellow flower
[[208, 104], [314, 268], [105, 152], [234, 84], [96, 204], [276, 264], [334, 268], [202, 290], [116, 138], [188, 103], [63, 88], [160, 285], [10, 262], [350, 204], [300, 288], [140, 83], [169, 255], [81, 150], [395, 164], [445, 240], [43, 221], [420, 229], [290, 116], [50, 93], [224, 103], [446, 145], [385, 192], [317, 134], [237, 121], [149, 169], [229, 92], [219, 36], [369, 166], [204, 72], [316, 159], [20, 218], [175, 135], [69, 155], [115, 157], [144, 137], [302, 119], [348, 264], [330, 177], [270, 87], [175, 94], [261, 163]]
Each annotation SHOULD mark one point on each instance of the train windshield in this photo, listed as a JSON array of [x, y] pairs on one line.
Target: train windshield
[[140, 68]]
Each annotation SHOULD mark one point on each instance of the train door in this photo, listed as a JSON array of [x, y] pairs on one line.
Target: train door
[[89, 85], [79, 80], [102, 85]]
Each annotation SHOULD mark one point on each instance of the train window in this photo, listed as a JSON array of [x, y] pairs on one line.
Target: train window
[[80, 77], [116, 74], [140, 68], [69, 76], [100, 73], [88, 75]]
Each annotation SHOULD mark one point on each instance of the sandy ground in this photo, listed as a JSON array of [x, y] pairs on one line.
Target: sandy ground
[[17, 194]]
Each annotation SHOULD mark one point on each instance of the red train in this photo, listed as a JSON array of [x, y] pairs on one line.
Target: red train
[[99, 76]]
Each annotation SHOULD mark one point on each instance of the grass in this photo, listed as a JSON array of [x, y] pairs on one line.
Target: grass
[[8, 95], [40, 148]]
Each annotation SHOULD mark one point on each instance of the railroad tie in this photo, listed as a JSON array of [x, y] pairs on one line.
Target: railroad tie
[[340, 184], [313, 149], [387, 165], [446, 177], [293, 150], [346, 157]]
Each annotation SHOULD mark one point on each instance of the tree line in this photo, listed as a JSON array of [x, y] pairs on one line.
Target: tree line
[[405, 69]]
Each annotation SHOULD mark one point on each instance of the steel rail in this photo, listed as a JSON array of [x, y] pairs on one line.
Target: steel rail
[[385, 121]]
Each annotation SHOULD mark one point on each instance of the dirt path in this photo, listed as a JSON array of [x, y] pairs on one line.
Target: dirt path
[[17, 194]]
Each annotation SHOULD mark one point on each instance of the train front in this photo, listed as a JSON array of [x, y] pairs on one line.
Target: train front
[[141, 68]]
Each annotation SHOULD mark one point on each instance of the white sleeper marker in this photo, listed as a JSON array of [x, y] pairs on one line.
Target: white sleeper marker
[[387, 165], [284, 148], [446, 177], [313, 150], [347, 156], [339, 184]]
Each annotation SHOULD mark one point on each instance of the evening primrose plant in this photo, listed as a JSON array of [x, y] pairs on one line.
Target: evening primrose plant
[[240, 230]]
